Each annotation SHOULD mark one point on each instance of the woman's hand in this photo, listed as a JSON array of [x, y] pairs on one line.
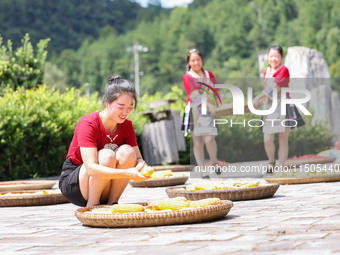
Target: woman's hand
[[258, 100], [134, 173]]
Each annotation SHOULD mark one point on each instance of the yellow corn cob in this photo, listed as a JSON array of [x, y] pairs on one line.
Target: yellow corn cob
[[228, 186], [147, 171], [184, 199], [172, 205], [201, 186], [249, 185], [154, 204], [99, 210], [190, 187], [205, 202], [161, 174], [126, 208]]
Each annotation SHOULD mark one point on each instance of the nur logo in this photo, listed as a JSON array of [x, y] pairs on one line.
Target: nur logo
[[238, 99]]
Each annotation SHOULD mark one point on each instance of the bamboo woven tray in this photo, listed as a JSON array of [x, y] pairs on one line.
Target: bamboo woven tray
[[195, 215], [228, 110], [310, 161], [174, 168], [170, 181], [31, 200], [289, 180], [233, 194], [26, 185]]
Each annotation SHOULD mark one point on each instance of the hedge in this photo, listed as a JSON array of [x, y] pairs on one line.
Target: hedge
[[36, 128]]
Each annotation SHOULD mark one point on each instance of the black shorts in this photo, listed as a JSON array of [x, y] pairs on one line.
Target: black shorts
[[69, 183]]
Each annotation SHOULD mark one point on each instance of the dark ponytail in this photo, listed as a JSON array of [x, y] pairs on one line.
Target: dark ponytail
[[116, 86]]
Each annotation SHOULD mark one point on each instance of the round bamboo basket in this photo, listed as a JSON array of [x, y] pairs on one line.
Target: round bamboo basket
[[26, 185], [31, 200], [170, 181], [233, 194], [290, 180], [298, 162], [195, 215]]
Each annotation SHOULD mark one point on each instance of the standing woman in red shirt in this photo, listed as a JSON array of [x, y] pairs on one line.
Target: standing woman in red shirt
[[103, 155], [194, 74], [277, 76]]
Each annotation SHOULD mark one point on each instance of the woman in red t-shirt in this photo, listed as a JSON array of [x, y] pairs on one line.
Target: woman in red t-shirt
[[103, 155], [275, 76], [193, 118]]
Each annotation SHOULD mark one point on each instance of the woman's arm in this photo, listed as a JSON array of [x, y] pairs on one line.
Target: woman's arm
[[93, 168], [139, 155]]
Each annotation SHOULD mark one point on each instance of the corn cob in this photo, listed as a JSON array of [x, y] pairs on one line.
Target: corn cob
[[126, 208], [205, 202], [173, 202], [172, 205], [99, 210], [249, 185], [201, 186], [161, 174], [147, 171], [154, 204]]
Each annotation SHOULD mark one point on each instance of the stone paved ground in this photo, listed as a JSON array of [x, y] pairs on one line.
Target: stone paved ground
[[299, 219]]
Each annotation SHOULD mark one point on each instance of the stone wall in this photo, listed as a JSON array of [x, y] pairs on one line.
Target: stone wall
[[308, 69]]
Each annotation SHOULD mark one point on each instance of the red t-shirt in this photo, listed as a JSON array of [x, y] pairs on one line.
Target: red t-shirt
[[90, 132], [281, 77], [187, 78]]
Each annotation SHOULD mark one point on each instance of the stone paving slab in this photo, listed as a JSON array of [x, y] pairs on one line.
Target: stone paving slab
[[299, 219]]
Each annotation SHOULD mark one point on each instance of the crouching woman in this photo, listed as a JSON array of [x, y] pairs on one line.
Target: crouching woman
[[103, 155]]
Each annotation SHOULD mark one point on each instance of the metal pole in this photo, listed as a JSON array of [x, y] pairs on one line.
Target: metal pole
[[136, 48], [136, 56]]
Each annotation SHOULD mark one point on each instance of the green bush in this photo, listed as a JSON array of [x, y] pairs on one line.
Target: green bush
[[239, 144], [36, 128], [22, 68]]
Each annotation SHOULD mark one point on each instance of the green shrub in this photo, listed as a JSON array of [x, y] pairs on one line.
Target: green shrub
[[22, 68], [36, 128]]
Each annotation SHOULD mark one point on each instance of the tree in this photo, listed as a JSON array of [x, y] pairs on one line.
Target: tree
[[22, 67]]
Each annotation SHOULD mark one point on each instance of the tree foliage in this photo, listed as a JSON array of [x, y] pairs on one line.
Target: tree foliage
[[228, 32], [22, 67], [66, 22]]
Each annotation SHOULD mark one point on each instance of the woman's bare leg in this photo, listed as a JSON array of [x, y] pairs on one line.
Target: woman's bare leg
[[269, 146], [126, 158], [94, 189], [198, 150], [283, 146], [211, 146]]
